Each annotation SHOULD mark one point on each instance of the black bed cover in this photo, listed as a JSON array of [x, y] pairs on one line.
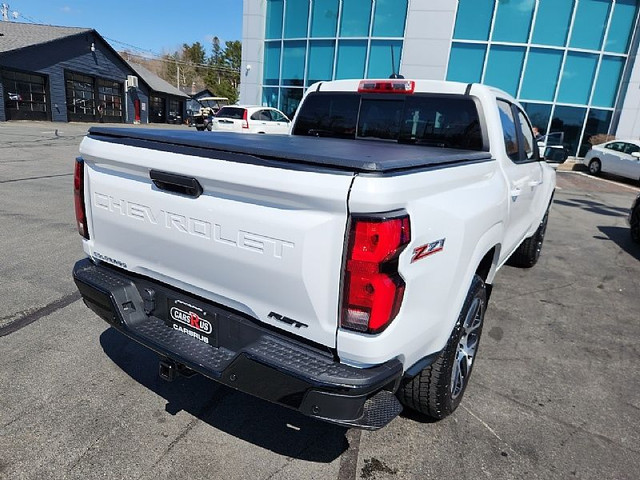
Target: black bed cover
[[364, 156]]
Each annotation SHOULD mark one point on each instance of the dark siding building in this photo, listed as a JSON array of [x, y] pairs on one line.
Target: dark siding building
[[166, 103], [69, 74]]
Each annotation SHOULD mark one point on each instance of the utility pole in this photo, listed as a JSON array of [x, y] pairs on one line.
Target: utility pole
[[5, 12]]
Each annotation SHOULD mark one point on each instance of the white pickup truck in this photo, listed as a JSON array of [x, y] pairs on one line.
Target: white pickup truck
[[342, 270]]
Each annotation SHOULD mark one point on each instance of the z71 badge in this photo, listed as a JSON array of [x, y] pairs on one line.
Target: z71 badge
[[427, 249]]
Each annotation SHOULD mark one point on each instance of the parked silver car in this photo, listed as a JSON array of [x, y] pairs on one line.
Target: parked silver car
[[620, 157]]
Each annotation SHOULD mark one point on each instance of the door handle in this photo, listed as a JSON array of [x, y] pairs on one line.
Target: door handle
[[516, 192], [535, 183], [174, 183]]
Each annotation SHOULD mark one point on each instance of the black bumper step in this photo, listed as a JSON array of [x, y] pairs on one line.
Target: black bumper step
[[242, 354]]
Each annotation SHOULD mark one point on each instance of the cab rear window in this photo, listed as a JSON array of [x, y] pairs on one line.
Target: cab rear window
[[448, 121]]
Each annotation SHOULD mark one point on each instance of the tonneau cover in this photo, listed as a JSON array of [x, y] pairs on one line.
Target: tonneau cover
[[365, 156]]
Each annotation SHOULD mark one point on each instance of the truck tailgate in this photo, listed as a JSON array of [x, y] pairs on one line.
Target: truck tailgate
[[265, 241]]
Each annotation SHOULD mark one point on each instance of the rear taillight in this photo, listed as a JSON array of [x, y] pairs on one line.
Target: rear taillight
[[245, 122], [78, 196], [372, 288], [386, 86]]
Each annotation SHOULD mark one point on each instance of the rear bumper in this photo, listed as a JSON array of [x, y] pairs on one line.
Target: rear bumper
[[243, 354]]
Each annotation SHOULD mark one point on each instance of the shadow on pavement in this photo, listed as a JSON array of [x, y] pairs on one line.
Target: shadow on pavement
[[593, 207], [256, 421], [621, 237]]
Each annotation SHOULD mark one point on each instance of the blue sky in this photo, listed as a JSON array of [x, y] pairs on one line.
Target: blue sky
[[159, 26]]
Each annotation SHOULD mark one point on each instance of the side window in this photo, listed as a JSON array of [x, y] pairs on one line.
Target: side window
[[277, 116], [629, 148], [509, 130], [616, 146], [527, 133], [262, 115]]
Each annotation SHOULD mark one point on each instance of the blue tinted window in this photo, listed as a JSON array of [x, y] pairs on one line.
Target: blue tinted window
[[504, 67], [324, 18], [541, 74], [513, 19], [608, 81], [320, 65], [623, 16], [577, 78], [465, 63], [590, 23], [552, 22], [293, 63], [389, 18], [598, 122], [271, 63], [539, 114], [289, 100], [270, 97], [380, 58], [296, 19], [568, 120], [274, 18], [473, 20], [351, 58], [355, 18]]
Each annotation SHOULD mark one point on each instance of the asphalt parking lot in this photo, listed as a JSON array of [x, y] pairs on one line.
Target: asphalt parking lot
[[555, 393]]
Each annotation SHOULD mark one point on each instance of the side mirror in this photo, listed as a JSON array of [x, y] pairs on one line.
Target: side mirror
[[556, 154], [636, 155]]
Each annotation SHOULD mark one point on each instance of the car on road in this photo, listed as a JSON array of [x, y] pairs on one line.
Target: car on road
[[634, 220], [620, 157], [250, 119]]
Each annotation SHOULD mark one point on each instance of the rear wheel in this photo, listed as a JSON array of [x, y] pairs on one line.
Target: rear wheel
[[595, 167], [634, 221], [438, 389]]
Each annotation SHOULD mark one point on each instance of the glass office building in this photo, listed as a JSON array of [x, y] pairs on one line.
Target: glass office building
[[569, 62], [307, 41]]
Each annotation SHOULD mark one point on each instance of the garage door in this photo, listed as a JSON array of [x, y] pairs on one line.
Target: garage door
[[25, 96], [91, 99]]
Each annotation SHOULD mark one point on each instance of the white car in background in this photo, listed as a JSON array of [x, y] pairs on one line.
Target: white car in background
[[620, 157], [250, 119]]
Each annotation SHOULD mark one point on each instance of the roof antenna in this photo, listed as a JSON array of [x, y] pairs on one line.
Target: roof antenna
[[393, 66]]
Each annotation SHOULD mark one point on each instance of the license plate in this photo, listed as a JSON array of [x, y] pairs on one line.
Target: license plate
[[191, 320]]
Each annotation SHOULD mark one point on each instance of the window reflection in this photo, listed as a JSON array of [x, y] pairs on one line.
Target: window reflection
[[569, 120], [598, 122]]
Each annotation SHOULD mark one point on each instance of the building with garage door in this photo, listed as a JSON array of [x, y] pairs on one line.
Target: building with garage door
[[571, 63], [69, 74], [166, 103]]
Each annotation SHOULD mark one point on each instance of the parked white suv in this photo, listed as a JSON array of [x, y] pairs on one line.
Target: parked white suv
[[250, 119]]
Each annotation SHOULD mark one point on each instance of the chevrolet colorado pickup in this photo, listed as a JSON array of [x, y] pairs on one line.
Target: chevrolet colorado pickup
[[343, 270]]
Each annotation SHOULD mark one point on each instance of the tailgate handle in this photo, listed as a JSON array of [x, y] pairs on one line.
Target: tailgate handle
[[174, 183]]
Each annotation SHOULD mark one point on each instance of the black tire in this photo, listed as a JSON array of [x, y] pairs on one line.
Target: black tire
[[200, 129], [595, 167], [438, 389], [528, 253], [634, 222], [209, 127]]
